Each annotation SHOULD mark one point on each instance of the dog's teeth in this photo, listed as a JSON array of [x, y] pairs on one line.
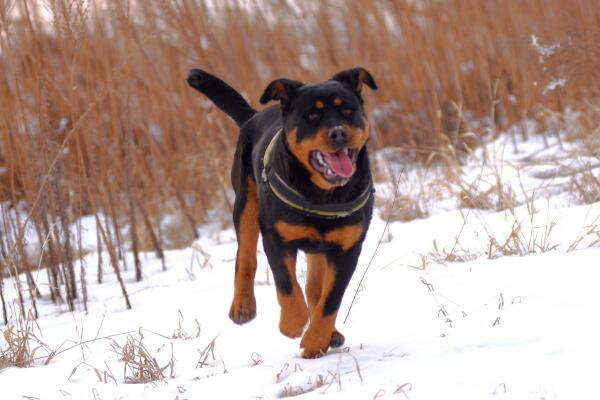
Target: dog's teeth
[[329, 171], [345, 150], [320, 158]]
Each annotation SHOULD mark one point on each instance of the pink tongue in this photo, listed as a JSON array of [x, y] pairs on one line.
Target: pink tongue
[[340, 163]]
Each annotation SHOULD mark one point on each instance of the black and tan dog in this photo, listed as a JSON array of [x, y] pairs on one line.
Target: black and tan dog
[[301, 178]]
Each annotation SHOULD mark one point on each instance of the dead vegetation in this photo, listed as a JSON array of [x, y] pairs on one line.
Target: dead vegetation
[[585, 185], [206, 352], [495, 195], [585, 176], [96, 118], [140, 366], [103, 375], [24, 348], [180, 333], [521, 242], [23, 343], [404, 199], [320, 381]]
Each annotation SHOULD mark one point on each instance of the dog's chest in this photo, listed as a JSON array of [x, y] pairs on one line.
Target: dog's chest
[[310, 238]]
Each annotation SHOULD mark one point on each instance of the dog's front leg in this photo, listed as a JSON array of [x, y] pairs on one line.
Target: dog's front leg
[[282, 260], [329, 275]]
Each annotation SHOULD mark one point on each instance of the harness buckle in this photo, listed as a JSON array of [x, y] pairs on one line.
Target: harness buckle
[[264, 174]]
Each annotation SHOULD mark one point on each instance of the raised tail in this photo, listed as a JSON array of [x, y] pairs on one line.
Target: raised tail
[[224, 96]]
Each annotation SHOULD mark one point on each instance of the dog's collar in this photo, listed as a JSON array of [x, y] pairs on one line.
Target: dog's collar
[[294, 199]]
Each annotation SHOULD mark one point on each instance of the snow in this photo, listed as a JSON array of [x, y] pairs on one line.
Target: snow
[[422, 327], [544, 51], [554, 83]]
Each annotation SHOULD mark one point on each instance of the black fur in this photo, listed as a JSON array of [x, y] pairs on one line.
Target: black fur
[[223, 95]]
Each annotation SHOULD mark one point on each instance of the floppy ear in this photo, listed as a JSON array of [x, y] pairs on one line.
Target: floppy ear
[[354, 79], [280, 89]]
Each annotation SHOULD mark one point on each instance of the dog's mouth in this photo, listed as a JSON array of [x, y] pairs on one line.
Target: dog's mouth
[[336, 167]]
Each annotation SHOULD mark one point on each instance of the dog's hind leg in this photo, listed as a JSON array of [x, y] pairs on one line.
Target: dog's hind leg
[[245, 218]]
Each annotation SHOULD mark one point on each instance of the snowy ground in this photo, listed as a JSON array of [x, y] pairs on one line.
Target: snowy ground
[[423, 326]]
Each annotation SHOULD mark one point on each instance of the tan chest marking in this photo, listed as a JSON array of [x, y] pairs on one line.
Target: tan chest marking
[[290, 232], [345, 237]]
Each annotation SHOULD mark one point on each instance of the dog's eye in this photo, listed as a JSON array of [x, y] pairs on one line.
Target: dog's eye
[[313, 116], [346, 112]]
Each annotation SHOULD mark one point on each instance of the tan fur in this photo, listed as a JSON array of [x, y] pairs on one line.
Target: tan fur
[[244, 303], [317, 263], [315, 341], [294, 313], [345, 237]]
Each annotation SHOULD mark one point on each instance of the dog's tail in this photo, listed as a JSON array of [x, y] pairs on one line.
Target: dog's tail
[[224, 96]]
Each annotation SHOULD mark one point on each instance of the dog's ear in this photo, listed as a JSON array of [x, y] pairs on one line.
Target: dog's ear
[[280, 89], [354, 79]]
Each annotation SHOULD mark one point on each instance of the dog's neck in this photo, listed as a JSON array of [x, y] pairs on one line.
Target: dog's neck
[[294, 173]]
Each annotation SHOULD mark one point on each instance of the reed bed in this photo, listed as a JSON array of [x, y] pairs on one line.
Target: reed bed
[[96, 117]]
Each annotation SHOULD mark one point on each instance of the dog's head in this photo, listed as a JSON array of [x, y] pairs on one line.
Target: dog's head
[[324, 123]]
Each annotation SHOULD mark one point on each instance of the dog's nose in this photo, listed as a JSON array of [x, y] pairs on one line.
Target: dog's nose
[[337, 137]]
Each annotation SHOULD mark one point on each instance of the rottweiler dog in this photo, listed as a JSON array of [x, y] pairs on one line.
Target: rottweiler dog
[[302, 179]]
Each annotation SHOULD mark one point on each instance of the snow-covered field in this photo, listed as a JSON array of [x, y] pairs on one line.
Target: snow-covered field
[[445, 311]]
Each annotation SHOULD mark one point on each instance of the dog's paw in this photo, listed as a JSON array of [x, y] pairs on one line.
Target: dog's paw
[[312, 353], [337, 339], [314, 345], [293, 320], [243, 311]]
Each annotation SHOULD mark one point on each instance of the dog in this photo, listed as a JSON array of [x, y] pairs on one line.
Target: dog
[[302, 179]]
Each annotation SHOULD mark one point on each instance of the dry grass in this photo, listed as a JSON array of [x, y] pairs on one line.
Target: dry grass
[[140, 366], [450, 254], [521, 241], [180, 333], [207, 351], [497, 196], [23, 343], [589, 236], [103, 375], [96, 117], [585, 178], [322, 381], [586, 185], [410, 199]]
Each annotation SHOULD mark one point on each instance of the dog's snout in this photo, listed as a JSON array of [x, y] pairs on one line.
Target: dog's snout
[[337, 136]]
